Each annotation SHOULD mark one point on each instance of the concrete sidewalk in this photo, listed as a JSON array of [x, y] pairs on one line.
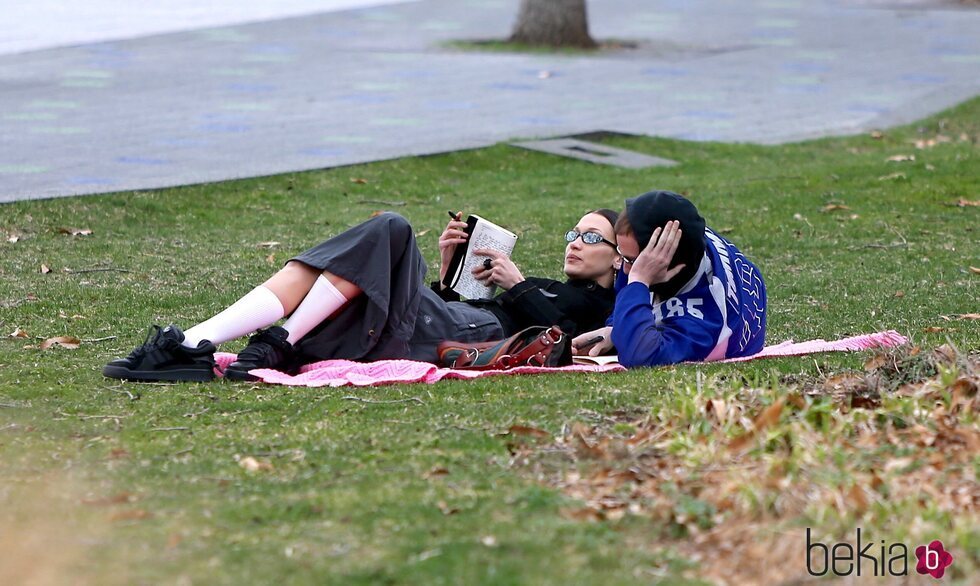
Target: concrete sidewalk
[[46, 24], [376, 83]]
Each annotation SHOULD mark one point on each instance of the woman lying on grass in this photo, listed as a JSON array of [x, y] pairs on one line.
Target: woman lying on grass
[[362, 296]]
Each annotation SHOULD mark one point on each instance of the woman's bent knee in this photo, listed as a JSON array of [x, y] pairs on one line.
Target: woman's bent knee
[[394, 224]]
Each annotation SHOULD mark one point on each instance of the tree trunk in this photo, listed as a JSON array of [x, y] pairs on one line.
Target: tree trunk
[[554, 23]]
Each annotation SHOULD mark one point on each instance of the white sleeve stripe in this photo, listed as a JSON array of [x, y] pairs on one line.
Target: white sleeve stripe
[[717, 289]]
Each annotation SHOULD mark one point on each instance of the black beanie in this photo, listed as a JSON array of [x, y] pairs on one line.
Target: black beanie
[[653, 210]]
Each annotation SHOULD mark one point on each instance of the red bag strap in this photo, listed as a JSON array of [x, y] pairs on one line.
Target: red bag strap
[[534, 353]]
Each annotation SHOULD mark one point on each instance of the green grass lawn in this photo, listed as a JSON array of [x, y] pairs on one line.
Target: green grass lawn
[[684, 474]]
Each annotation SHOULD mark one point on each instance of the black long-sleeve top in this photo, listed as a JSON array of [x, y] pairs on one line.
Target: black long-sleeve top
[[575, 306]]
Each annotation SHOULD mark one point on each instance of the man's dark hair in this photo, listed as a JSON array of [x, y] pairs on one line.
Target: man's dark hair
[[622, 227], [645, 213]]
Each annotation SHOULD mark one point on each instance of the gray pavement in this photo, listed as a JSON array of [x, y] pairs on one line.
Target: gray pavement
[[376, 83]]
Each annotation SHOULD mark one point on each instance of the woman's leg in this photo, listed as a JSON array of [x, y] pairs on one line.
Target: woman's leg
[[328, 294], [259, 308], [291, 284], [273, 348], [286, 292], [171, 354]]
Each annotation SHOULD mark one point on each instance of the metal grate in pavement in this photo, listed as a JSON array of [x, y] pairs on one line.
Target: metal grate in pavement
[[594, 153]]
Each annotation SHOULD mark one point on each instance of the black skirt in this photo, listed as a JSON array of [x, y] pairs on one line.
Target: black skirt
[[397, 316]]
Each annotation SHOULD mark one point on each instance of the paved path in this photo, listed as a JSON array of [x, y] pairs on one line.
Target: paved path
[[363, 85], [43, 24]]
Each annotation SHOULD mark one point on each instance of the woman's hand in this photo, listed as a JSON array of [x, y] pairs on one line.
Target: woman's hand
[[586, 344], [453, 234], [502, 272], [652, 266]]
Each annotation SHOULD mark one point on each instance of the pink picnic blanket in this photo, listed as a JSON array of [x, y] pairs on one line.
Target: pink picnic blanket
[[339, 373]]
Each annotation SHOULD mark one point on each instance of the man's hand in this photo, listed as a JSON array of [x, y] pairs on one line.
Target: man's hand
[[453, 234], [586, 344], [652, 266], [502, 272]]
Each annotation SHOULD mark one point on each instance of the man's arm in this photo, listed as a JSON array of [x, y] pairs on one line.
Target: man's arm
[[690, 335]]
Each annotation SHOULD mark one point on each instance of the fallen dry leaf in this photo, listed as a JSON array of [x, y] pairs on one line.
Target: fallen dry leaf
[[797, 401], [271, 259], [900, 158], [437, 471], [133, 515], [18, 333], [358, 180], [928, 143], [116, 499], [968, 316], [856, 498], [717, 408], [964, 387], [13, 239], [446, 509], [768, 417], [75, 231], [892, 176], [966, 203], [975, 270], [68, 342], [525, 430], [422, 233], [899, 294], [877, 134], [875, 362], [933, 330], [45, 269], [270, 244], [583, 514], [833, 207], [252, 465]]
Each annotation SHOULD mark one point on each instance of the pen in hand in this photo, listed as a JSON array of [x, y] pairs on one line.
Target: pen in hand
[[591, 342], [453, 216]]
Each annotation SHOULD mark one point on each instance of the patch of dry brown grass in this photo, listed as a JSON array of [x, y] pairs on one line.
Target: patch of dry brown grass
[[730, 479]]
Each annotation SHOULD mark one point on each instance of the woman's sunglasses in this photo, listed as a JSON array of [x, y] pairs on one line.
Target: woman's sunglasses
[[587, 237]]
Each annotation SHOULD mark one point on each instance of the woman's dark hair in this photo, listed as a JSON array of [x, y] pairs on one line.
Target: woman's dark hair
[[611, 216]]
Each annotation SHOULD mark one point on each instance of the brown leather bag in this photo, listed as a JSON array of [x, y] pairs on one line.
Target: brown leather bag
[[534, 346]]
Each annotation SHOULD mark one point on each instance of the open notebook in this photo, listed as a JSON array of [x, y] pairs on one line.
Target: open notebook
[[483, 234]]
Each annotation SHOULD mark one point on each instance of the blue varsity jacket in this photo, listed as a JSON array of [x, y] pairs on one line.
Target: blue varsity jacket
[[720, 313]]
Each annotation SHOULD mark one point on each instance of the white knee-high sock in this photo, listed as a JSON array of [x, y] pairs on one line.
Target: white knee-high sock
[[321, 302], [257, 309]]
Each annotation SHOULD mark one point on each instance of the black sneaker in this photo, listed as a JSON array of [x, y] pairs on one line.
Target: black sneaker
[[268, 348], [163, 358]]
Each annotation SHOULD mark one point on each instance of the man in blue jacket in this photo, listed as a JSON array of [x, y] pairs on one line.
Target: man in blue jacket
[[690, 295]]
